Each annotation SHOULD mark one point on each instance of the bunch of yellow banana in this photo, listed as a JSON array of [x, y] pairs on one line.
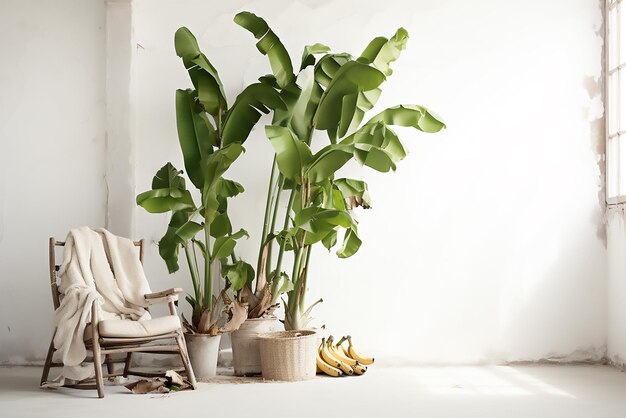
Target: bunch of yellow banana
[[337, 360]]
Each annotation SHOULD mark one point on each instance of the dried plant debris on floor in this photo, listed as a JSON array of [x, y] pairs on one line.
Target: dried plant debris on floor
[[172, 382]]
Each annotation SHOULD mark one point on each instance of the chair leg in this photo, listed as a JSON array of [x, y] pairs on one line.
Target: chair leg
[[97, 364], [184, 356], [110, 365], [46, 365], [97, 359], [127, 363]]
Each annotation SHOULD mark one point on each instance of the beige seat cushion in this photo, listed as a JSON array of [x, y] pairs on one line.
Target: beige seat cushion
[[132, 329]]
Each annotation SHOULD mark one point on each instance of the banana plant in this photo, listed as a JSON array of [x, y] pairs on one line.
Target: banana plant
[[211, 136], [332, 93]]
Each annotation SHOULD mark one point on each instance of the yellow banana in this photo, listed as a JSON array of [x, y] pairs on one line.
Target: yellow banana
[[331, 359], [327, 368], [339, 353], [326, 356], [358, 357], [359, 369]]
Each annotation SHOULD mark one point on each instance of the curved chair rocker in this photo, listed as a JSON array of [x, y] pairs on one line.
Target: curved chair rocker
[[108, 337]]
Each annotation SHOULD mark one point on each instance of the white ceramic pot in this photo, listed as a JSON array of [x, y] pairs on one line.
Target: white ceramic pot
[[288, 355], [203, 350], [245, 343]]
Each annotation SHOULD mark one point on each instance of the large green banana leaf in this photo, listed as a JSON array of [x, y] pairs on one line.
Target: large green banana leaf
[[255, 99], [196, 135], [327, 161], [381, 52], [353, 77], [168, 192], [215, 165], [203, 75], [354, 107], [327, 67], [319, 222], [351, 244], [269, 44], [308, 56], [180, 230], [306, 106], [224, 246], [292, 155], [410, 115], [354, 191], [238, 274]]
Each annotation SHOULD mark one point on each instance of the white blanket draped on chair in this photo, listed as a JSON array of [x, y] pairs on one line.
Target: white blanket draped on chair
[[98, 268]]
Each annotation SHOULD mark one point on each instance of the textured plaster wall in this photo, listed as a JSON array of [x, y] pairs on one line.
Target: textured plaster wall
[[484, 246], [52, 145]]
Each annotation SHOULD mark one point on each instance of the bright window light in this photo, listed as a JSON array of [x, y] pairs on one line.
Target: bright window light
[[616, 101]]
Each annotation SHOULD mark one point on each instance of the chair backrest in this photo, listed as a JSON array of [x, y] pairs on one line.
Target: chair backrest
[[54, 267]]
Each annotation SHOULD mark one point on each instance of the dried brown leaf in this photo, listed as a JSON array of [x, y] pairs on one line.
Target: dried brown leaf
[[144, 386], [262, 302], [261, 280], [238, 314]]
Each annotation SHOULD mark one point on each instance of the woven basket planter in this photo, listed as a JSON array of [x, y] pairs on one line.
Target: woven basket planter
[[288, 355]]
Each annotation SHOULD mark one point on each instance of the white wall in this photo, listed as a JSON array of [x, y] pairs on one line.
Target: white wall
[[616, 231], [484, 246], [487, 243], [52, 153]]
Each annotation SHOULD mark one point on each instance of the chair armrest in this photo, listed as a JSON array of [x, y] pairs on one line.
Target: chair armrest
[[158, 295]]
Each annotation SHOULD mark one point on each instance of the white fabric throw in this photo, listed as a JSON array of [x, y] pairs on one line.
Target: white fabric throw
[[102, 269]]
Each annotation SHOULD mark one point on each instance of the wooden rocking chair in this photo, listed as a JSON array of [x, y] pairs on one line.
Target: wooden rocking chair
[[123, 336]]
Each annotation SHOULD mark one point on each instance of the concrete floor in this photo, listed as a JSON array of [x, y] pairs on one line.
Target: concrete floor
[[535, 391]]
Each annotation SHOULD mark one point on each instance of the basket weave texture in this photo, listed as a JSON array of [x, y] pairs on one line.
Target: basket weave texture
[[288, 355]]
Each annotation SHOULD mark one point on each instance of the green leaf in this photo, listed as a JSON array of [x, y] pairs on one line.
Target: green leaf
[[327, 161], [354, 191], [168, 177], [352, 78], [254, 100], [374, 157], [306, 106], [239, 274], [330, 240], [327, 67], [353, 109], [221, 226], [308, 56], [292, 155], [168, 192], [269, 44], [414, 116], [351, 244], [381, 52], [179, 231], [228, 188], [224, 246], [283, 285], [215, 165], [318, 222], [203, 75], [195, 135]]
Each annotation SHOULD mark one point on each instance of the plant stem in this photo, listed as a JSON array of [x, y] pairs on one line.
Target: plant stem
[[281, 184], [193, 270], [293, 295], [266, 217], [305, 274], [208, 274], [281, 251]]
